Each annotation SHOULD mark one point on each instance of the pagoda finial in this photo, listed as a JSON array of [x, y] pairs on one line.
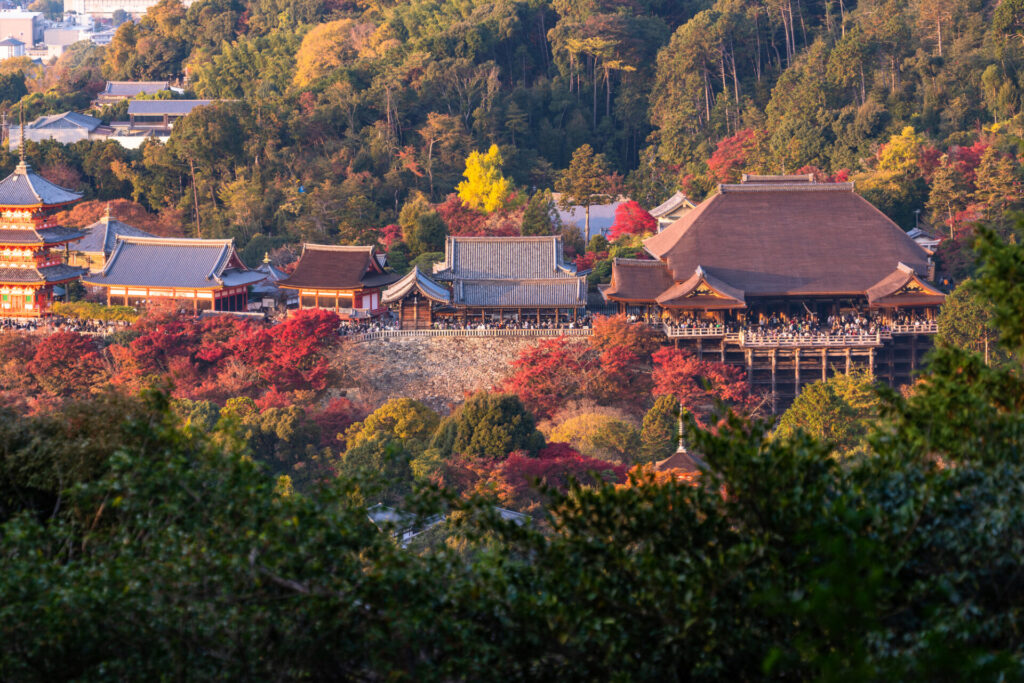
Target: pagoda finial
[[21, 145], [106, 212], [682, 446], [266, 257]]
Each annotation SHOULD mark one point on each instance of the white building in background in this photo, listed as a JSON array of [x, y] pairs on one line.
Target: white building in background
[[25, 26], [11, 47], [106, 8]]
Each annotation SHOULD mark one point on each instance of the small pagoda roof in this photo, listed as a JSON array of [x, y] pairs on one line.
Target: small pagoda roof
[[38, 236], [336, 267], [671, 205], [704, 291], [174, 263], [418, 281], [903, 287], [681, 460], [40, 276], [787, 236], [637, 280], [101, 236], [165, 107], [24, 188]]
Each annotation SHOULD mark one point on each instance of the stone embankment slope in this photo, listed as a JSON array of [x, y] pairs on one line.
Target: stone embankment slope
[[439, 371]]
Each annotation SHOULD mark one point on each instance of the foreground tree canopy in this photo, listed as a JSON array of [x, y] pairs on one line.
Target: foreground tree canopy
[[899, 561]]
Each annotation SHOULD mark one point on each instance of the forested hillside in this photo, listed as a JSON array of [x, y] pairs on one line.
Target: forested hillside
[[342, 110]]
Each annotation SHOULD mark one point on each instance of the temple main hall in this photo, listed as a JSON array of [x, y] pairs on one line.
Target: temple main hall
[[793, 279]]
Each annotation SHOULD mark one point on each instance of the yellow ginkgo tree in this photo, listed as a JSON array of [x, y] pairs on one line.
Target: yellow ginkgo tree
[[484, 188]]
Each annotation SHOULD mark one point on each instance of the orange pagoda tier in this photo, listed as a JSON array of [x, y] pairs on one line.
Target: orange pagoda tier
[[29, 266]]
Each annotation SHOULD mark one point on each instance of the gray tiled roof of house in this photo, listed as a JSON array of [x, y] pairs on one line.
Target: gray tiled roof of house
[[418, 280], [503, 258], [161, 107], [134, 88], [69, 119], [101, 236], [57, 273], [55, 235], [25, 188], [10, 41], [178, 263], [550, 293]]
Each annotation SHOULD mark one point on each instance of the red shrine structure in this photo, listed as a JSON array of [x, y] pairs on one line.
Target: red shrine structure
[[29, 266]]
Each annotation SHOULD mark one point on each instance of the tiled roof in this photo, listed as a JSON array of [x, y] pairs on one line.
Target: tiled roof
[[161, 107], [787, 236], [101, 236], [57, 273], [904, 288], [673, 203], [549, 293], [637, 280], [134, 88], [503, 258], [10, 41], [25, 188], [335, 267], [417, 280], [180, 263], [704, 291], [55, 235], [68, 119]]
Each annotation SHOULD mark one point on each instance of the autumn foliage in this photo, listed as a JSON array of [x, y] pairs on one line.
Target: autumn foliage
[[699, 384]]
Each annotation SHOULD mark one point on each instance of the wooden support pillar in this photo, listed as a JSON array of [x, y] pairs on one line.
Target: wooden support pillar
[[913, 352], [575, 311], [750, 370], [775, 400], [700, 349], [108, 296], [847, 361], [195, 302], [871, 362], [796, 371], [316, 298], [538, 316], [722, 349], [824, 364]]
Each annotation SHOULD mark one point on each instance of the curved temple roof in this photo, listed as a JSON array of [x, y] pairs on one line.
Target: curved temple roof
[[787, 236], [416, 280], [23, 188], [335, 267], [174, 263]]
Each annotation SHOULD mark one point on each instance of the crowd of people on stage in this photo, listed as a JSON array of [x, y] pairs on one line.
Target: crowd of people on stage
[[56, 323], [389, 323], [776, 326]]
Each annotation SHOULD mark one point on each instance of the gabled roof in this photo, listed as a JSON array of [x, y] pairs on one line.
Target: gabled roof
[[174, 262], [10, 41], [161, 107], [23, 188], [416, 280], [787, 236], [704, 291], [903, 287], [38, 236], [671, 205], [67, 120], [503, 258], [637, 280], [134, 88], [335, 267], [101, 236], [37, 276]]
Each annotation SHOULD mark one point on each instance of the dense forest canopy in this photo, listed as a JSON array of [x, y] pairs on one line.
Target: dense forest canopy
[[337, 113]]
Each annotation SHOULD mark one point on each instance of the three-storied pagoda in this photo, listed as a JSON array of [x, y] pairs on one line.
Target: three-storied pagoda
[[29, 266]]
